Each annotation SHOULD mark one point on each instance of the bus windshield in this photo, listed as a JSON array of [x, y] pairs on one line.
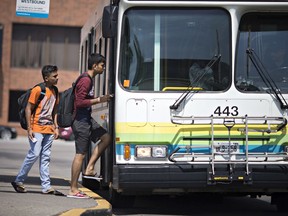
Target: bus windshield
[[266, 35], [172, 49]]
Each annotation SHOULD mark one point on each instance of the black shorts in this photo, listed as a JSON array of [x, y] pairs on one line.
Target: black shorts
[[84, 133]]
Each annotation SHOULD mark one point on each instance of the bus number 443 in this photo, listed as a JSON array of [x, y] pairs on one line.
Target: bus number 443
[[227, 111]]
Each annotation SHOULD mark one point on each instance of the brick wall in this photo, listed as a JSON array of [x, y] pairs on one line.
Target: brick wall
[[63, 13]]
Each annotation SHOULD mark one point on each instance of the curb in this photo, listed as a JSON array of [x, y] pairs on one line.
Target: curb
[[102, 208]]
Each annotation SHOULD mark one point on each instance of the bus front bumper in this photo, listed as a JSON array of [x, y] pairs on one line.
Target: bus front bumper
[[185, 178]]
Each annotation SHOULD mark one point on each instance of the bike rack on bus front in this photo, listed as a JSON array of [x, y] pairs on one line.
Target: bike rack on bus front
[[228, 153]]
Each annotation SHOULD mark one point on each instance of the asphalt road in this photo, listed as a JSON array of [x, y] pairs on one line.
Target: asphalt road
[[14, 151], [12, 154], [199, 206]]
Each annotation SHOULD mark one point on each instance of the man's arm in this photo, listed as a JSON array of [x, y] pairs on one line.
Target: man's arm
[[28, 113], [81, 91], [54, 116], [102, 99]]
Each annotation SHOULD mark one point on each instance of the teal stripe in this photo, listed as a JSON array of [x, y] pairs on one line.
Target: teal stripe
[[171, 148]]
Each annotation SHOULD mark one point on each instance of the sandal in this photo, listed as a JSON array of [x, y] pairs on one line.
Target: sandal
[[78, 195], [95, 176], [19, 188]]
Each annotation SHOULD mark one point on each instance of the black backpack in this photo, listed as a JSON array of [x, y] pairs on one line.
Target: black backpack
[[23, 100], [65, 113]]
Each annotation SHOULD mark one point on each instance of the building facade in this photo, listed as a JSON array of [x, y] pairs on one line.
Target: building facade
[[26, 44]]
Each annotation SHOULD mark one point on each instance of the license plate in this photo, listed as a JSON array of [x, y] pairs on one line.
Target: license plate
[[226, 148]]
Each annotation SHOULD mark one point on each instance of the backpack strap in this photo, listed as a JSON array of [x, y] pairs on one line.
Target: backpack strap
[[74, 86], [41, 96], [91, 83], [81, 76]]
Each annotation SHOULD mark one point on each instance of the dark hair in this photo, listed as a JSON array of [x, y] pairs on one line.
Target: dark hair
[[48, 69], [95, 58]]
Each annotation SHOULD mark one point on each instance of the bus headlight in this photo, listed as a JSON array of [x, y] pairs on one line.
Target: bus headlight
[[159, 151], [143, 151], [151, 152]]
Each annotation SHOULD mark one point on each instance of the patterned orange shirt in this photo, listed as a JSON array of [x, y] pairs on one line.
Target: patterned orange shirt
[[42, 121]]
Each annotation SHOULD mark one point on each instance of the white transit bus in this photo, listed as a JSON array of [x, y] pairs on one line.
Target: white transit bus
[[201, 91]]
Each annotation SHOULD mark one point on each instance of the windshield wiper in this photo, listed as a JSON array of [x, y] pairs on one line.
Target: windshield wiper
[[210, 64], [265, 76]]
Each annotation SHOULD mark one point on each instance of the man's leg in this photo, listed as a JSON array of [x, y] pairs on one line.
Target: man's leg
[[105, 141], [30, 159], [75, 172], [81, 131], [44, 160]]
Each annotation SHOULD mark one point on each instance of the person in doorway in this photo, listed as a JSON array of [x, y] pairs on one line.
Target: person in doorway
[[42, 129], [85, 128], [201, 76]]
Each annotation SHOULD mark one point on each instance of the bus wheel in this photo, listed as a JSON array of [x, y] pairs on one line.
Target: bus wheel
[[280, 200]]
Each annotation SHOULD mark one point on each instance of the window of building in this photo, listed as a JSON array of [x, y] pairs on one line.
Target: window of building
[[13, 105], [36, 45]]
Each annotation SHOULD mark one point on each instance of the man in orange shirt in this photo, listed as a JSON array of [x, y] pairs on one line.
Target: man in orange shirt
[[42, 129]]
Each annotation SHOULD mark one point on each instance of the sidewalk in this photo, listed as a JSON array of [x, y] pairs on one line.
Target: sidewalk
[[35, 203]]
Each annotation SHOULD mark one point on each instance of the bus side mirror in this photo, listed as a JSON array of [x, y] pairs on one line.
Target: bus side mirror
[[109, 21]]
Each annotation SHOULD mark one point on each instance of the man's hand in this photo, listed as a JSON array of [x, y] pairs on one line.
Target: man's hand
[[105, 98]]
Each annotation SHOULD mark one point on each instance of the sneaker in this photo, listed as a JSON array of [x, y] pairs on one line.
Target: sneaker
[[19, 187], [49, 191]]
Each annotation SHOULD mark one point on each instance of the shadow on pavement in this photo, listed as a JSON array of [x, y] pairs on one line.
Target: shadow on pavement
[[35, 180]]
